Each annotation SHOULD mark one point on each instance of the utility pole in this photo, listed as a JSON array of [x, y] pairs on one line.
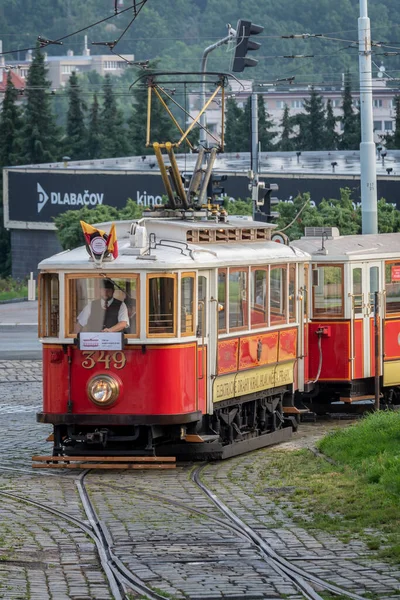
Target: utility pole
[[254, 151], [369, 208]]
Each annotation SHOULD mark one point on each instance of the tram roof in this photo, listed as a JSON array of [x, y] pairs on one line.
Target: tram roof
[[351, 247], [176, 252]]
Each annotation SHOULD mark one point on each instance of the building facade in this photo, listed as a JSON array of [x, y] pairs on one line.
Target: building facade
[[293, 96]]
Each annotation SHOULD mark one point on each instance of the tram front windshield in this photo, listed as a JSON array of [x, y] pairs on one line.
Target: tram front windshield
[[96, 303]]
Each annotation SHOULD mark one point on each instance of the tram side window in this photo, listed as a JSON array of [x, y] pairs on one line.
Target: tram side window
[[292, 293], [278, 294], [187, 304], [49, 305], [328, 294], [392, 281], [238, 303], [161, 305], [97, 303], [222, 300], [259, 297], [357, 290]]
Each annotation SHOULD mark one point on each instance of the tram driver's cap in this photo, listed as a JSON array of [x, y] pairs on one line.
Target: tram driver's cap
[[108, 285]]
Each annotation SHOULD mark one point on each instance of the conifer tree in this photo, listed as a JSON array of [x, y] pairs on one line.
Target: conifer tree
[[41, 136], [112, 129], [10, 148], [234, 133], [162, 128], [94, 136], [392, 140], [286, 143], [265, 124], [351, 136], [312, 124], [76, 141], [10, 127], [331, 137], [246, 126]]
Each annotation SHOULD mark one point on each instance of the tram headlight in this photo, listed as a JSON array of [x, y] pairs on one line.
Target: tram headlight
[[103, 390]]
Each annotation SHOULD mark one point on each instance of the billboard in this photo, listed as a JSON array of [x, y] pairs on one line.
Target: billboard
[[33, 197]]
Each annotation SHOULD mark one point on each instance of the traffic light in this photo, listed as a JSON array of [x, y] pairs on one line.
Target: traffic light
[[266, 199], [243, 44], [214, 187]]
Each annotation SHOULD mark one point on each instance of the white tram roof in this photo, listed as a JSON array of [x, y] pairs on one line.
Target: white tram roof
[[332, 247], [193, 245]]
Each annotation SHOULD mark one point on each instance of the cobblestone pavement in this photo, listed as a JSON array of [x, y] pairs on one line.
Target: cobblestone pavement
[[172, 549]]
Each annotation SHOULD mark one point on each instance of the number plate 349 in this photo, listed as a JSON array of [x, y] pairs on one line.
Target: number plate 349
[[117, 360]]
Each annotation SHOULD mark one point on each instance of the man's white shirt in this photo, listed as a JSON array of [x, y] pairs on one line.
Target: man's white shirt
[[84, 315]]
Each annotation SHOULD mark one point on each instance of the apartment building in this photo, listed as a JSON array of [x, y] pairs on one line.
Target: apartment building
[[276, 98], [60, 68]]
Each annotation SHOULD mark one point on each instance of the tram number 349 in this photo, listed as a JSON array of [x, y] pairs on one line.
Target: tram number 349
[[117, 360]]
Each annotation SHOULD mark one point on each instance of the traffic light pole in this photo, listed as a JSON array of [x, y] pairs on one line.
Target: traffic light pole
[[369, 209], [203, 68]]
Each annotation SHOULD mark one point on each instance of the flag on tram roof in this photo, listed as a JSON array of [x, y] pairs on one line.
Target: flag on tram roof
[[89, 231], [112, 242]]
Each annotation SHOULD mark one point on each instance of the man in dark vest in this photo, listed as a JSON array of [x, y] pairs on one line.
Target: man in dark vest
[[105, 314]]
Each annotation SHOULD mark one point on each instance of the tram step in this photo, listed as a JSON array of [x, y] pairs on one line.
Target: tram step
[[293, 410], [350, 399], [193, 438], [103, 462]]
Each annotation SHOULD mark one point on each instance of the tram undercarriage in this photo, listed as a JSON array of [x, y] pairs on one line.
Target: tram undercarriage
[[238, 425]]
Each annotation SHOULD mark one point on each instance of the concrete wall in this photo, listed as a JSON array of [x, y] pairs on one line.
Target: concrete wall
[[29, 247]]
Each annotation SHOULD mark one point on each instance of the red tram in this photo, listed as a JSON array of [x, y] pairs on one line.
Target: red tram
[[226, 336], [353, 333], [210, 352]]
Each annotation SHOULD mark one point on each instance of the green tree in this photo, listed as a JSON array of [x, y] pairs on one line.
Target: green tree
[[331, 137], [10, 148], [41, 136], [341, 213], [112, 128], [388, 217], [286, 143], [265, 125], [295, 215], [94, 135], [76, 141], [351, 136], [234, 130], [392, 140], [69, 230], [162, 128], [312, 124], [10, 127]]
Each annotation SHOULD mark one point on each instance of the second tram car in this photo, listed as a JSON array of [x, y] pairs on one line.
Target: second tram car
[[353, 334], [213, 351]]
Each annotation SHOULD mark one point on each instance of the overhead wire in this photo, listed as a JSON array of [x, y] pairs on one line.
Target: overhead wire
[[15, 51]]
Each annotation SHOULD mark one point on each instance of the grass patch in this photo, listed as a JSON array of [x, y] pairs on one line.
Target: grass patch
[[13, 288], [357, 497]]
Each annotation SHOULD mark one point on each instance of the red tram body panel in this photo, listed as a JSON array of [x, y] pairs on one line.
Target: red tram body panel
[[157, 380]]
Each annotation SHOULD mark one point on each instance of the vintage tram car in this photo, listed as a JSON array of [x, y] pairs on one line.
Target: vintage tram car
[[213, 354], [353, 333]]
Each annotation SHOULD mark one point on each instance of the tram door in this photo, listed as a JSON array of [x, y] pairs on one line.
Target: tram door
[[366, 280], [206, 332]]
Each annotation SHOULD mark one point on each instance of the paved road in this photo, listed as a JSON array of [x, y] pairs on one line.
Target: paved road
[[188, 556], [18, 331]]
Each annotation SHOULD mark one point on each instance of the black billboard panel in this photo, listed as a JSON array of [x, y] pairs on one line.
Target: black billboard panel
[[38, 196]]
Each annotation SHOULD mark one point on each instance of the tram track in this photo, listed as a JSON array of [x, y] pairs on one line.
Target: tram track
[[120, 579], [298, 576]]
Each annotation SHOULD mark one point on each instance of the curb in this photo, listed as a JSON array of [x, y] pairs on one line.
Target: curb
[[14, 300], [18, 324]]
